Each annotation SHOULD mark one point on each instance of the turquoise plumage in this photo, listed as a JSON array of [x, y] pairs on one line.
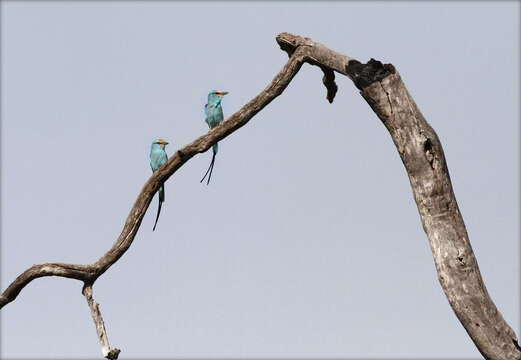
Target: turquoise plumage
[[158, 158], [213, 117]]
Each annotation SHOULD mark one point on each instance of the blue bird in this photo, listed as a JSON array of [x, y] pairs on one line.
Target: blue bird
[[158, 158], [214, 116]]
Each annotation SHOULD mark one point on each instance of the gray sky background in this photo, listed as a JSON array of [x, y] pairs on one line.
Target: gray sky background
[[307, 243]]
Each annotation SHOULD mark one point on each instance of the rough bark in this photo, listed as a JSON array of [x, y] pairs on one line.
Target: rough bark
[[424, 161], [422, 155], [458, 271], [100, 325]]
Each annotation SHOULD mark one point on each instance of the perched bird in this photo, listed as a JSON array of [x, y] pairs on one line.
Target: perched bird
[[214, 116], [158, 157]]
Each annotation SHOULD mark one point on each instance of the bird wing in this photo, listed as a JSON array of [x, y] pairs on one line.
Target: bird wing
[[157, 158], [206, 114], [214, 116]]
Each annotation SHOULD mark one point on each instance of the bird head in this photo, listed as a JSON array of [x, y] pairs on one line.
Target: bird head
[[215, 96], [161, 143]]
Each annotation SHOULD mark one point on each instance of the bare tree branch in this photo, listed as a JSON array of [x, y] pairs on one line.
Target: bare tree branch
[[421, 153], [100, 325], [79, 272], [89, 273]]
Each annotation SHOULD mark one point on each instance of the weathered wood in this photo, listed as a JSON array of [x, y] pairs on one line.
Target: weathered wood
[[421, 153], [108, 353], [458, 272], [89, 273], [79, 272]]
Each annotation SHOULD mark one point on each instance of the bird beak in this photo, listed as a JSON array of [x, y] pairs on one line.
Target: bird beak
[[221, 93]]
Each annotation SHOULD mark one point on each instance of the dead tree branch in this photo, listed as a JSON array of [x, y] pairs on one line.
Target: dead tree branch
[[421, 153], [79, 272], [89, 273], [100, 325]]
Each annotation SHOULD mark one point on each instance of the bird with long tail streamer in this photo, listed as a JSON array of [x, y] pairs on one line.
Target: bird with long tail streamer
[[214, 116], [158, 158]]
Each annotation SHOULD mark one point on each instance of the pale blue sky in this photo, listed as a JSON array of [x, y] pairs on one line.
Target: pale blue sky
[[307, 243]]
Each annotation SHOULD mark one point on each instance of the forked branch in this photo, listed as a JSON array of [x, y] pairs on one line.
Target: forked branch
[[421, 153]]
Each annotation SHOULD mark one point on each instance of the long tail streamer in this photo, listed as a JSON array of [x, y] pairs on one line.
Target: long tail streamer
[[210, 169], [158, 211]]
